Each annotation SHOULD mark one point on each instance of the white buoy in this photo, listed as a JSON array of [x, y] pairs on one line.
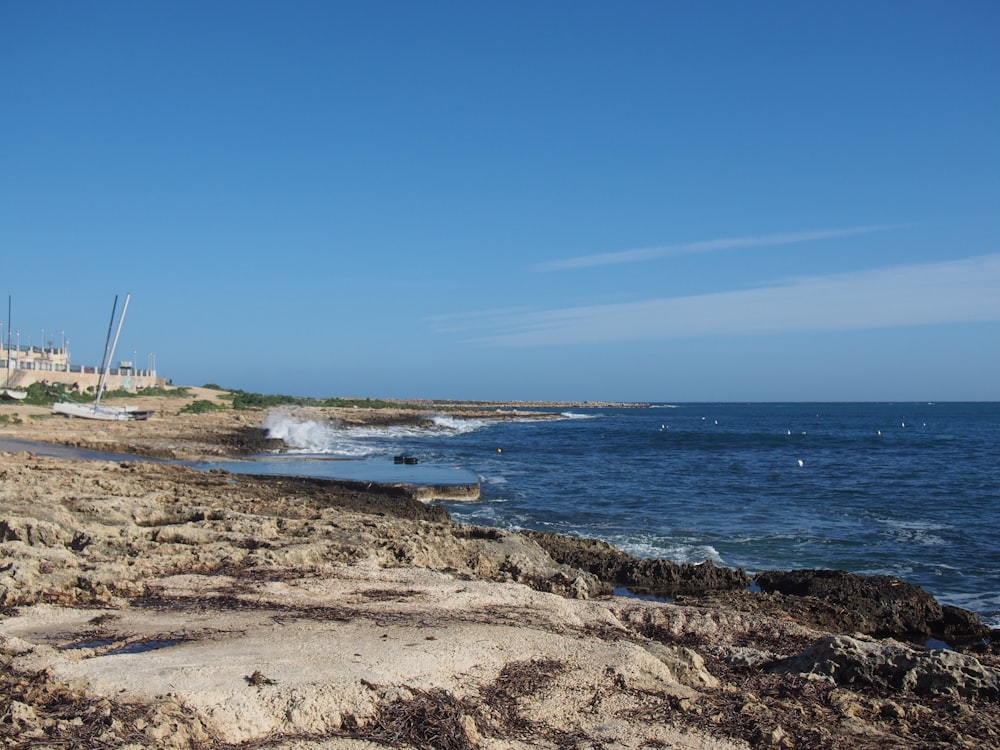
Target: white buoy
[[801, 463]]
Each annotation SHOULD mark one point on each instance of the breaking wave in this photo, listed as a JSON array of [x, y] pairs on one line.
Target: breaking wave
[[457, 426], [312, 436]]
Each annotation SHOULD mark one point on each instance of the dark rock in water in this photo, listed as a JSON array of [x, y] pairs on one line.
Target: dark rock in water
[[881, 606], [646, 576], [248, 441], [894, 666], [990, 645], [959, 625]]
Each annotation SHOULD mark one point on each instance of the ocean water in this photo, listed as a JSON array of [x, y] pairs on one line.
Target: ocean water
[[907, 489]]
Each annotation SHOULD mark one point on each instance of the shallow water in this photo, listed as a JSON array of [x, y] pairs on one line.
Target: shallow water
[[383, 470]]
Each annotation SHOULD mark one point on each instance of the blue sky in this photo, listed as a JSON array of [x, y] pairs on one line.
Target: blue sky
[[657, 201]]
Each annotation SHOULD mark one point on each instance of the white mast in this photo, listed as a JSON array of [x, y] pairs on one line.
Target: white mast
[[111, 356]]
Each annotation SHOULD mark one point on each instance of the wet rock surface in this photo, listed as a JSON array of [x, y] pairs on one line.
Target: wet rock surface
[[657, 577], [881, 606]]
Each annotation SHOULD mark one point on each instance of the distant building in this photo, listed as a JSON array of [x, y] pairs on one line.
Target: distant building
[[31, 364]]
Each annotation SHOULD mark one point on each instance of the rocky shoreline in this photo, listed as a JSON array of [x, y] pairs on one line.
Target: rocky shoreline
[[145, 604]]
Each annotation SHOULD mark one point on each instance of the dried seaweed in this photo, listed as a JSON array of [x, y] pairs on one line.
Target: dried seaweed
[[437, 719], [433, 719], [55, 716], [390, 595], [499, 700], [257, 679], [234, 602], [787, 711]]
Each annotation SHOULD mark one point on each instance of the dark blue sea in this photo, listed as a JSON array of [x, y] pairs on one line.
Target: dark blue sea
[[907, 489]]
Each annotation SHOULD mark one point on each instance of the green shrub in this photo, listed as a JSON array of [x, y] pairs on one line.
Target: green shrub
[[201, 406], [367, 403], [245, 400], [179, 392], [48, 394]]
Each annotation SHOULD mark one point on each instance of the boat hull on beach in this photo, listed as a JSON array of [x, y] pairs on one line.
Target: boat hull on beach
[[106, 413], [95, 410]]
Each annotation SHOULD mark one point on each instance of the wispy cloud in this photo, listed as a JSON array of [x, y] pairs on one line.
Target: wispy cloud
[[472, 321], [958, 291], [705, 246]]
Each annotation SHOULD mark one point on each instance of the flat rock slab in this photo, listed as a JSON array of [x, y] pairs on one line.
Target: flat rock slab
[[315, 655]]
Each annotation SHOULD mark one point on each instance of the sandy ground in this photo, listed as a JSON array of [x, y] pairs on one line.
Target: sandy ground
[[150, 605]]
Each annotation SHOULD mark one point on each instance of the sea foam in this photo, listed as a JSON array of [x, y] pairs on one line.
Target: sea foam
[[457, 426], [312, 436], [323, 437], [677, 551]]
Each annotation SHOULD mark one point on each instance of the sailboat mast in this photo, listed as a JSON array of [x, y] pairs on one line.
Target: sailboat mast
[[118, 332], [8, 343], [104, 362]]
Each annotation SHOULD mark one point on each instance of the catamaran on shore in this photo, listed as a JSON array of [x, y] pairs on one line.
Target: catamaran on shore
[[95, 410]]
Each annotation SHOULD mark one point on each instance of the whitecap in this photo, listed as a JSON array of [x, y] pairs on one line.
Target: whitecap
[[492, 479], [903, 526], [679, 553], [456, 425]]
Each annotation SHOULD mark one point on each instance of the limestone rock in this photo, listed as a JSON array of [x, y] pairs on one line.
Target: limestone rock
[[686, 665], [889, 664]]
